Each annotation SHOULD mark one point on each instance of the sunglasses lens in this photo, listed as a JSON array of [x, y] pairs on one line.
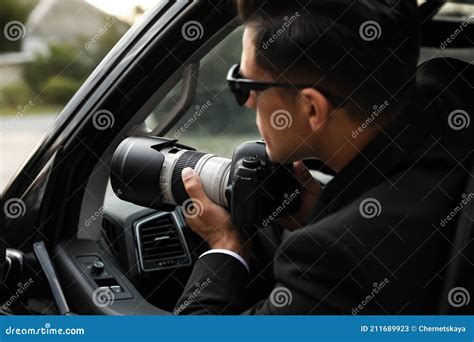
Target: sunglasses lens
[[240, 92], [241, 95]]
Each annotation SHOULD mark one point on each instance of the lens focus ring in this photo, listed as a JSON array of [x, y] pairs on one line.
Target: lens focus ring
[[187, 159]]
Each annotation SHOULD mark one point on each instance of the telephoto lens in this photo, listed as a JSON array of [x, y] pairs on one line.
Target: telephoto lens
[[147, 171]]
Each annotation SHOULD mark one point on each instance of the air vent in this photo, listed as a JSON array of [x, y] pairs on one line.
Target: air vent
[[161, 243]]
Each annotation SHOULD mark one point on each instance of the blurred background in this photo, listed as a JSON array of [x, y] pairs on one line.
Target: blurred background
[[47, 50]]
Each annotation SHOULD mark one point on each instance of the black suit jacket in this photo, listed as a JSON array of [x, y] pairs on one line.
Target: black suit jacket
[[380, 241]]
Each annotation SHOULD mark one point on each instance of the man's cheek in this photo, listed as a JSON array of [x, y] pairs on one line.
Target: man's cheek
[[261, 125]]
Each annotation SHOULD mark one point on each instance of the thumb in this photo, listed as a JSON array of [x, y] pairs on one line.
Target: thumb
[[192, 184]]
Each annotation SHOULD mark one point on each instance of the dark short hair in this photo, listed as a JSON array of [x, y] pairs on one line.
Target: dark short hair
[[364, 50]]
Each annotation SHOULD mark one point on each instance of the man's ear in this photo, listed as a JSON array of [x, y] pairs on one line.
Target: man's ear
[[316, 107]]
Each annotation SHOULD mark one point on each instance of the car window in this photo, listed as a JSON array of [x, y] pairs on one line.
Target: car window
[[47, 50], [456, 11], [214, 123]]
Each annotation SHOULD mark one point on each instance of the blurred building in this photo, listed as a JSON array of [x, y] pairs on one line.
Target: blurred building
[[56, 21]]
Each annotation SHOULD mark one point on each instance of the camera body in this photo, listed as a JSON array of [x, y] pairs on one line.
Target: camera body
[[257, 192], [261, 191]]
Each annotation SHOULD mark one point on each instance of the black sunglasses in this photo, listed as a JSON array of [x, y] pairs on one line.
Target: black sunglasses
[[241, 87]]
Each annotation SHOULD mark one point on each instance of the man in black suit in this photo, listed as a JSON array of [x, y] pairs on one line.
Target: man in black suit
[[378, 238]]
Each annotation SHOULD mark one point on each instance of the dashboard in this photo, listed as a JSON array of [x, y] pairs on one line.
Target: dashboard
[[155, 249]]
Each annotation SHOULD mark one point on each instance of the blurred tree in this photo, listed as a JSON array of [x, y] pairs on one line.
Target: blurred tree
[[13, 10], [62, 60], [57, 75], [96, 50]]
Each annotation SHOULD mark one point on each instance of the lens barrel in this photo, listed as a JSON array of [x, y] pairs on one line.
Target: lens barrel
[[147, 171], [187, 159]]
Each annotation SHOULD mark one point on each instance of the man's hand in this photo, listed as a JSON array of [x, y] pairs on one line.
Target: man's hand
[[210, 221], [310, 192]]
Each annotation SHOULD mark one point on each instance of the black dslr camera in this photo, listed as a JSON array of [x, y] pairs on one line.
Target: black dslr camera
[[258, 192]]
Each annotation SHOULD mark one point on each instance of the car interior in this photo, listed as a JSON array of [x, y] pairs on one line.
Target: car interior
[[76, 235]]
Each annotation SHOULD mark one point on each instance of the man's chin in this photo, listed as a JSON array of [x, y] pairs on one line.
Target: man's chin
[[273, 157], [270, 155]]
